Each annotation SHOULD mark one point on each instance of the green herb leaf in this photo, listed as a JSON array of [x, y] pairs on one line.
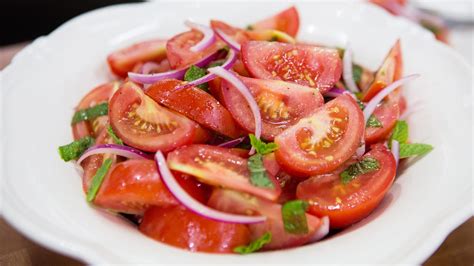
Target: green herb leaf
[[274, 38], [356, 72], [414, 149], [258, 173], [90, 113], [262, 147], [114, 137], [364, 166], [399, 133], [254, 245], [373, 122], [250, 27], [73, 150], [361, 104], [195, 72], [98, 179], [294, 216]]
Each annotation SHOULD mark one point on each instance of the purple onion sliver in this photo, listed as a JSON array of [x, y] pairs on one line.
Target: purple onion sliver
[[334, 92], [396, 151], [121, 150], [148, 67], [347, 70], [208, 39], [173, 74], [228, 40], [232, 143], [361, 150], [192, 204], [322, 231]]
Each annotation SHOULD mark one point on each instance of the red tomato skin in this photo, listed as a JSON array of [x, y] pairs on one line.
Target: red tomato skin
[[276, 99], [182, 228], [184, 131], [390, 71], [124, 60], [287, 21], [99, 94], [196, 104], [306, 65], [132, 186], [359, 201], [178, 53], [299, 163]]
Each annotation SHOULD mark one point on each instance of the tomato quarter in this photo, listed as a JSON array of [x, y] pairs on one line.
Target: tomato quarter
[[142, 123], [321, 142], [306, 65], [346, 204], [287, 21]]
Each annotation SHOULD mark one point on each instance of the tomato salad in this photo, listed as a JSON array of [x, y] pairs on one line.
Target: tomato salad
[[233, 140]]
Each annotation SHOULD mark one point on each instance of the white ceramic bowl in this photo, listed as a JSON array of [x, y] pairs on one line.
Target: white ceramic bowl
[[43, 198]]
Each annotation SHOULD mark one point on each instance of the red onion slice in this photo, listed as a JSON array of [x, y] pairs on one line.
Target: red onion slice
[[240, 86], [228, 40], [323, 230], [195, 206], [148, 67], [372, 104], [232, 143], [173, 74], [121, 150], [334, 92], [207, 40], [347, 70], [231, 58], [361, 150], [396, 150]]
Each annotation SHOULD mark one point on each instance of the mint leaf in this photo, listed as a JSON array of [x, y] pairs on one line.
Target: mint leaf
[[364, 166], [73, 150], [254, 245], [373, 122], [195, 72], [262, 147], [114, 137], [356, 73], [294, 216], [90, 113], [414, 149], [216, 63], [399, 133], [258, 173], [98, 179], [249, 27]]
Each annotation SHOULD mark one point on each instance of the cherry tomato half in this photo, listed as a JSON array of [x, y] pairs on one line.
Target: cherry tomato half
[[287, 21]]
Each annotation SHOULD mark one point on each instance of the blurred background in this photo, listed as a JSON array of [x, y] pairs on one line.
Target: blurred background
[[22, 21]]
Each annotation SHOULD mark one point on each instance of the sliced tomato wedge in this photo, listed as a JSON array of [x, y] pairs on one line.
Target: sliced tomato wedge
[[182, 228], [387, 113], [124, 60], [346, 204], [219, 166], [282, 104], [144, 124], [196, 104], [390, 71], [97, 96], [237, 34], [321, 142], [239, 203], [177, 49], [287, 21], [307, 65], [133, 186]]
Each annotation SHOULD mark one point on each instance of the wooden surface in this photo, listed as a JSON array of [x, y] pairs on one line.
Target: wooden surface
[[17, 250]]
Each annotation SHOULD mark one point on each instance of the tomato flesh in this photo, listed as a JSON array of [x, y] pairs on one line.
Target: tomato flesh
[[178, 53], [238, 203], [281, 104], [97, 96], [306, 65], [132, 186], [346, 204], [196, 104], [219, 166], [390, 71], [182, 228], [321, 142], [144, 124], [387, 113], [124, 60], [287, 21]]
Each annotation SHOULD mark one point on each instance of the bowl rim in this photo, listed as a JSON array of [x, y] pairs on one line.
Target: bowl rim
[[78, 250]]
